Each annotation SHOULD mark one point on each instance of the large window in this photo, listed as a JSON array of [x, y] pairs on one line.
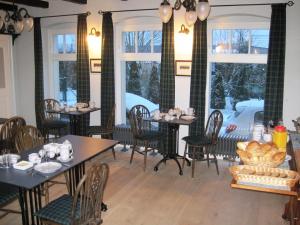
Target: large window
[[141, 51], [237, 67], [64, 67]]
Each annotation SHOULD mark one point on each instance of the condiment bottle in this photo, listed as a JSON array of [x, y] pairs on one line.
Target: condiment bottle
[[280, 136]]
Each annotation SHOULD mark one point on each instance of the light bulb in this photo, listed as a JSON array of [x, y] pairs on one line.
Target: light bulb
[[165, 11], [19, 26], [28, 23], [203, 9], [190, 17]]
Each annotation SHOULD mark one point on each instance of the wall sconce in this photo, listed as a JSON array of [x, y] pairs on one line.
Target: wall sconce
[[184, 30], [94, 32]]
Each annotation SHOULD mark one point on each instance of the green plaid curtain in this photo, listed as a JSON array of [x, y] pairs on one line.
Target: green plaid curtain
[[198, 77], [83, 73], [107, 70], [38, 63], [275, 67], [167, 76]]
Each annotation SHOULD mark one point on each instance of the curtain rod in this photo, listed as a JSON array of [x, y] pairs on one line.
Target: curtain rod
[[75, 14], [289, 3]]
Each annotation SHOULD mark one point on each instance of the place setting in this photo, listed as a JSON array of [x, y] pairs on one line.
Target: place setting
[[176, 113]]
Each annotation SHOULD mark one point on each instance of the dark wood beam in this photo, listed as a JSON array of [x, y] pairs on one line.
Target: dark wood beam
[[33, 3], [77, 1], [7, 7]]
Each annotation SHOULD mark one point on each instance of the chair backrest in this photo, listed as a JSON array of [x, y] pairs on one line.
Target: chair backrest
[[28, 137], [111, 120], [136, 116], [49, 104], [213, 126], [8, 131], [89, 195]]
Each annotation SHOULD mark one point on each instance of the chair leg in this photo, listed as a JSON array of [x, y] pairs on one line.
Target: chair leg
[[216, 162], [146, 143], [207, 156], [132, 153], [193, 161], [184, 154], [113, 152]]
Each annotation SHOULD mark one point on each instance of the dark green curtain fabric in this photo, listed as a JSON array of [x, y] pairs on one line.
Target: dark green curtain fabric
[[83, 73], [107, 70], [167, 76], [198, 77], [38, 63], [275, 67]]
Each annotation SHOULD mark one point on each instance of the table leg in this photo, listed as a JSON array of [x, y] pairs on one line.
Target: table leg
[[23, 206]]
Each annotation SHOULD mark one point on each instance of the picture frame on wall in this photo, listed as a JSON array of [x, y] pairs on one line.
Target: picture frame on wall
[[95, 65], [183, 67]]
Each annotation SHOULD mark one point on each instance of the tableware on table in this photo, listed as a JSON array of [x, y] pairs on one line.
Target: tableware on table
[[92, 104], [267, 137], [72, 109], [67, 143], [190, 111], [34, 158], [42, 153], [51, 155], [52, 147], [65, 152], [81, 105], [169, 117], [171, 112], [23, 165], [48, 167], [65, 160], [13, 159], [84, 109], [5, 158], [187, 117]]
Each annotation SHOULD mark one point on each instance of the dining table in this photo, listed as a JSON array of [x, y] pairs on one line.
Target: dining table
[[173, 131], [74, 117], [30, 182]]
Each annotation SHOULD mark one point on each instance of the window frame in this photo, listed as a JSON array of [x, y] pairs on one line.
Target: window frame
[[230, 57], [54, 58], [120, 81]]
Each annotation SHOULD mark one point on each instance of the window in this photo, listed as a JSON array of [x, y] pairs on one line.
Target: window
[[64, 67], [140, 66], [237, 65]]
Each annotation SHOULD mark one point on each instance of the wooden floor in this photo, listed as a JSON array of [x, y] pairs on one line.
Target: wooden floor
[[135, 197]]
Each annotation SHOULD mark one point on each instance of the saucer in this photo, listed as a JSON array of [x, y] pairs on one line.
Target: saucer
[[67, 160]]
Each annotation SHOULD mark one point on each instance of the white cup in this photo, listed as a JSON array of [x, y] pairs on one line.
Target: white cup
[[65, 152], [33, 157], [42, 153], [267, 137], [190, 111]]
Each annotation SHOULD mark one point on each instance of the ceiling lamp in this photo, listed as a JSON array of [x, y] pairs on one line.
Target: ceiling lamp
[[16, 22], [193, 9]]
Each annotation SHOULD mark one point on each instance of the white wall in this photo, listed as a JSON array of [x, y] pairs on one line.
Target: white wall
[[24, 59]]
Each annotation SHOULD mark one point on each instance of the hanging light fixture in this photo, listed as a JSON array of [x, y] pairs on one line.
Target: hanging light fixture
[[193, 10]]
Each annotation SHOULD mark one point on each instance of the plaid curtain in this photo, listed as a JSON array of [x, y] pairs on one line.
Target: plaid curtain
[[39, 79], [275, 67], [198, 77], [107, 70], [167, 77], [83, 73]]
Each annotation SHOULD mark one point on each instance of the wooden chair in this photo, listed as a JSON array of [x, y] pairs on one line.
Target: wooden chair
[[28, 137], [84, 207], [51, 122], [8, 132], [142, 132], [8, 194], [204, 143], [105, 131]]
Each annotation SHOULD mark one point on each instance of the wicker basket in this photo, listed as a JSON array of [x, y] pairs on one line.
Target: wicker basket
[[264, 176], [261, 161]]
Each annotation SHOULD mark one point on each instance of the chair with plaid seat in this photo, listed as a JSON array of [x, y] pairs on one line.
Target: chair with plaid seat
[[85, 206], [204, 143], [8, 194]]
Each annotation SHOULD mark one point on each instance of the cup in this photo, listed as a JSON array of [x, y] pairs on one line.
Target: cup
[[33, 157], [5, 158], [42, 153], [65, 152], [92, 104], [190, 111]]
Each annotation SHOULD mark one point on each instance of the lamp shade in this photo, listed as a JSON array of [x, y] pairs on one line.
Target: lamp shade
[[19, 26], [28, 23], [203, 9], [190, 17], [165, 11]]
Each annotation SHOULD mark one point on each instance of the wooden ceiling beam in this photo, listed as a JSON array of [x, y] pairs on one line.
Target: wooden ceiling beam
[[33, 3], [77, 1], [7, 7]]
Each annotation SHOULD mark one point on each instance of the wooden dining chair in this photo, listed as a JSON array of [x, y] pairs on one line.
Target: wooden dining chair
[[200, 147], [52, 123], [28, 137], [8, 194], [84, 207], [142, 132], [8, 132], [105, 131]]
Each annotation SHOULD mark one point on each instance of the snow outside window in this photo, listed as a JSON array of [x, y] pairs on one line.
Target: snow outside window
[[237, 68]]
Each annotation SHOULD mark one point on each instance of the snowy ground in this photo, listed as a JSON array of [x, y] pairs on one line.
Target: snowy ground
[[132, 100]]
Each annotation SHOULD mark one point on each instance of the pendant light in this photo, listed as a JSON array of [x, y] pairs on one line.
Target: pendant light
[[190, 17], [203, 9], [165, 11]]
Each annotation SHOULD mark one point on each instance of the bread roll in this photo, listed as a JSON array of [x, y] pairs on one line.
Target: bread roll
[[279, 156]]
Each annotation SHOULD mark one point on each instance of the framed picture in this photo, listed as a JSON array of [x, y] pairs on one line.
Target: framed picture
[[183, 67], [95, 65]]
